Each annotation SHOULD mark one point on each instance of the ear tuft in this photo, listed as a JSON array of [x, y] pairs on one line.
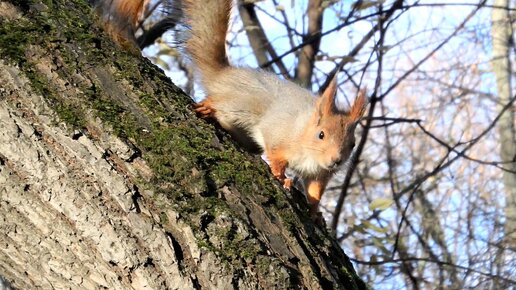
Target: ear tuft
[[328, 97], [359, 106]]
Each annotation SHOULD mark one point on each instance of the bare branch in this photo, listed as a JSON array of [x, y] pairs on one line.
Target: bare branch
[[430, 260], [257, 38]]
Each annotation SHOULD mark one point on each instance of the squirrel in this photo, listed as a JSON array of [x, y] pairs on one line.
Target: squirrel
[[289, 125]]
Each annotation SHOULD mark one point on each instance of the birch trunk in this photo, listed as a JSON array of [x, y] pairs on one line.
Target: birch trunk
[[502, 38]]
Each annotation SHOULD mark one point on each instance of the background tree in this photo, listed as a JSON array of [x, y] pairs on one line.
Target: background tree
[[502, 43]]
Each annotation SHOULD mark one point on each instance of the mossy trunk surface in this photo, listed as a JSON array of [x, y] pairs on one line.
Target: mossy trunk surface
[[108, 180]]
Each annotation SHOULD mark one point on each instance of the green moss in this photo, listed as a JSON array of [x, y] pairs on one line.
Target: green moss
[[15, 36], [163, 218], [67, 111]]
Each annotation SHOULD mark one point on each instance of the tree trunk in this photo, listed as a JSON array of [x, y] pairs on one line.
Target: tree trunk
[[107, 179], [502, 37]]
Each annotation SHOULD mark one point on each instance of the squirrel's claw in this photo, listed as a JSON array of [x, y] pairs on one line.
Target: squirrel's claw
[[204, 109], [279, 176], [287, 183]]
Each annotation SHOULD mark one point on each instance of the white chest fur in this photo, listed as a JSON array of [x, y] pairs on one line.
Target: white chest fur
[[305, 165]]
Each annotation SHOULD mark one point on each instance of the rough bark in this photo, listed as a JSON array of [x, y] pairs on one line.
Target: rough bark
[[108, 180]]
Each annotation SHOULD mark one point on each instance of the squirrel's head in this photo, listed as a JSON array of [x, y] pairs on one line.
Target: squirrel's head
[[330, 134]]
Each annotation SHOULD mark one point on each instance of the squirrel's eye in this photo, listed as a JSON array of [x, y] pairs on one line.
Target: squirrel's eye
[[321, 135]]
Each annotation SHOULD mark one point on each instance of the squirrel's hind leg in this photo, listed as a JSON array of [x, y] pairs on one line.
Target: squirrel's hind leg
[[205, 108]]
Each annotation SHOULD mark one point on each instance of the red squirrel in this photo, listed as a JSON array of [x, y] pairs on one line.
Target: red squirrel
[[287, 123]]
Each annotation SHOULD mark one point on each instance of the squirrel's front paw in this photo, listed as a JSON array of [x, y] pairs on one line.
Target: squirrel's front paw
[[204, 109], [287, 183]]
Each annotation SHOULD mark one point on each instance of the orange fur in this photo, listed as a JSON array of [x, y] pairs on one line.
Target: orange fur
[[359, 106], [278, 164], [314, 191], [328, 97], [209, 22], [339, 128], [205, 108], [131, 10], [122, 18]]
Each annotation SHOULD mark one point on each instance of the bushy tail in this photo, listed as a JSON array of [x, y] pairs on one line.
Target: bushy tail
[[208, 20], [121, 17], [124, 19]]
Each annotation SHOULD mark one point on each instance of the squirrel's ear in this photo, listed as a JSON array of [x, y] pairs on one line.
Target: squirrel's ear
[[328, 97], [359, 106]]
